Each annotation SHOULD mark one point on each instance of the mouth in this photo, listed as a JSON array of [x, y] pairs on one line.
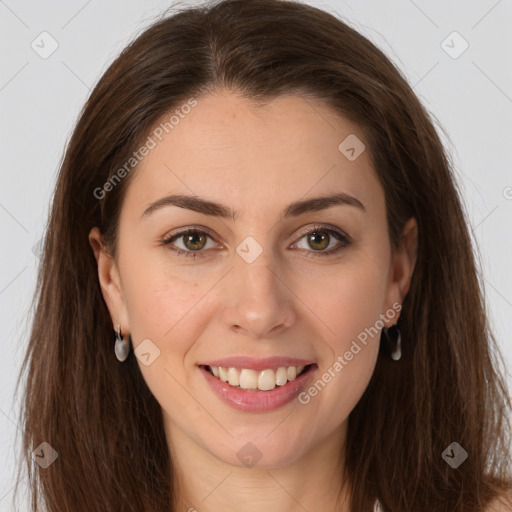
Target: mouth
[[262, 388], [264, 380]]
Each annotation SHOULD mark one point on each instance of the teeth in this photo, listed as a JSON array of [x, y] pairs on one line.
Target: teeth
[[248, 379], [267, 380], [281, 376], [264, 380], [234, 377], [223, 374]]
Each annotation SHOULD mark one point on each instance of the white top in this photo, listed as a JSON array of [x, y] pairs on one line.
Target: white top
[[377, 507]]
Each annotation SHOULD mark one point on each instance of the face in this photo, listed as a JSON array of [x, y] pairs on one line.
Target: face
[[272, 288]]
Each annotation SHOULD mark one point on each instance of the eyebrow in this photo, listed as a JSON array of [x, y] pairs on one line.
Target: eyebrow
[[214, 209]]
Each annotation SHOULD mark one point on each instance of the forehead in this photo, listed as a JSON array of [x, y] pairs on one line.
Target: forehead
[[227, 147]]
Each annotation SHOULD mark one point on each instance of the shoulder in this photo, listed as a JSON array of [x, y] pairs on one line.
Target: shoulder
[[502, 504]]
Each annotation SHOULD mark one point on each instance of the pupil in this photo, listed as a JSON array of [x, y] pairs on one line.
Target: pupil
[[314, 240], [190, 239]]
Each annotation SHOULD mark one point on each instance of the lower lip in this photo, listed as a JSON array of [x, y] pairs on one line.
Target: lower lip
[[257, 401]]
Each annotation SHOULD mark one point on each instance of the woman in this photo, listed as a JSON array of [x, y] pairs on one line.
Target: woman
[[258, 286]]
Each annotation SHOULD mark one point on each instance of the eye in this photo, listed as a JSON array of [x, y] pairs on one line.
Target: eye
[[193, 240], [320, 238]]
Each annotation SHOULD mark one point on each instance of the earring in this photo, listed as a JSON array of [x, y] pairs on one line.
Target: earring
[[396, 352], [122, 346]]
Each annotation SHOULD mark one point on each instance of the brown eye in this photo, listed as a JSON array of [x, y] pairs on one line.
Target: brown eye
[[321, 241], [190, 242], [194, 241], [318, 240]]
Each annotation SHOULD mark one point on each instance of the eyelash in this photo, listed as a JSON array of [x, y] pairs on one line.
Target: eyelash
[[339, 235]]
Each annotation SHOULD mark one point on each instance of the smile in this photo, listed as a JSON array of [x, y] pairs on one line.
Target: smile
[[248, 379], [262, 388]]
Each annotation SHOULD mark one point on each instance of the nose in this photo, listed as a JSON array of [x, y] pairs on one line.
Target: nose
[[259, 302]]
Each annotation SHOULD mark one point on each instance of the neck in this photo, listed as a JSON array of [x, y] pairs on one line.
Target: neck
[[203, 482]]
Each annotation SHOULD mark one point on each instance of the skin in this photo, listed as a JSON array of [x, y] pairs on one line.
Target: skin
[[256, 160]]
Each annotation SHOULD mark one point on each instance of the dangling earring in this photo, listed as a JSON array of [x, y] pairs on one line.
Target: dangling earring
[[396, 352], [122, 346]]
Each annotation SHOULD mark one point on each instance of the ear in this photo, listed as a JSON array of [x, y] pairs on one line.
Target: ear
[[110, 282], [402, 265]]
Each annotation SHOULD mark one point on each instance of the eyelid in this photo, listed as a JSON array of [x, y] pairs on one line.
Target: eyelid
[[343, 238], [323, 227], [169, 239], [183, 231]]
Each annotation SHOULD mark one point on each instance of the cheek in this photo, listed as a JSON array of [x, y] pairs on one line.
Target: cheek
[[161, 302], [167, 310], [347, 299], [349, 306]]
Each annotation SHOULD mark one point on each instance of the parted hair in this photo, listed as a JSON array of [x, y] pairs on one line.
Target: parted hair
[[449, 386]]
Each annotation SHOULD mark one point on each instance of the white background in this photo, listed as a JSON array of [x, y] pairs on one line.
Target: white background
[[471, 96]]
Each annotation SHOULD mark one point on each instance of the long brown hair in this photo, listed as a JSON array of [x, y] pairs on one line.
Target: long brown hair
[[101, 417]]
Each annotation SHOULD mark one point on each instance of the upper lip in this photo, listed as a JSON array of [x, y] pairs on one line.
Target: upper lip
[[257, 364]]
